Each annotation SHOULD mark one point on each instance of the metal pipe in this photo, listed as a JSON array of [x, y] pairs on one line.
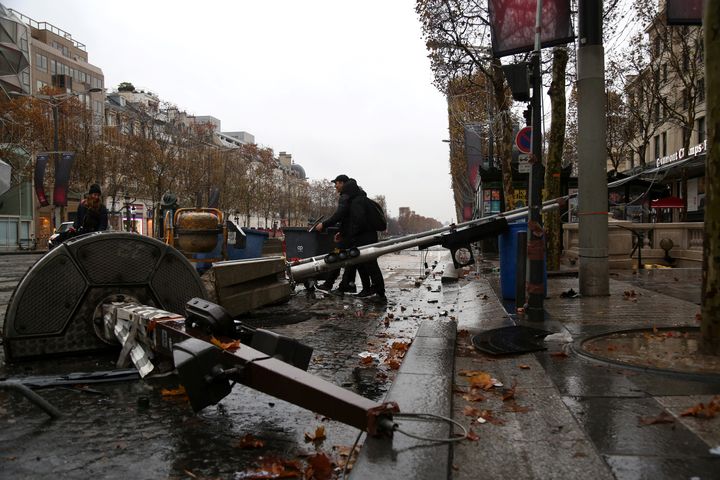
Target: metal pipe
[[509, 215], [32, 396], [317, 265]]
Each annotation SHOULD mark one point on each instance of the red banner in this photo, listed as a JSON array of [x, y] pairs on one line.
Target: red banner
[[62, 179], [512, 23], [40, 166]]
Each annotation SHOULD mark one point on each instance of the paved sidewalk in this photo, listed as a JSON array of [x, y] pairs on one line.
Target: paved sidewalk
[[585, 417], [570, 416]]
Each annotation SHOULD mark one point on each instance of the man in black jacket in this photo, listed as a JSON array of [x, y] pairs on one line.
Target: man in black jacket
[[356, 232]]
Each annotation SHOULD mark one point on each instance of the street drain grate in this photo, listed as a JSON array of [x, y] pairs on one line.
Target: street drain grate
[[510, 340]]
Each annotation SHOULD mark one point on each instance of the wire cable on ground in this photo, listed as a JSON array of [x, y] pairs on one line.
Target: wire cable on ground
[[430, 416], [350, 453]]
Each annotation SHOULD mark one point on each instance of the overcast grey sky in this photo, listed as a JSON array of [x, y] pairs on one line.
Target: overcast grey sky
[[345, 87]]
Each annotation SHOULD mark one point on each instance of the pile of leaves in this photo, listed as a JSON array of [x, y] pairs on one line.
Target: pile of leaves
[[319, 465]]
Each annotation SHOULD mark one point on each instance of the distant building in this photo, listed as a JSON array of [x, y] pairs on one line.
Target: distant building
[[57, 60], [242, 137], [209, 119], [670, 93], [15, 50]]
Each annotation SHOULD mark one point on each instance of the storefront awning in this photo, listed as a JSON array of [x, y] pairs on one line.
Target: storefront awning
[[667, 202]]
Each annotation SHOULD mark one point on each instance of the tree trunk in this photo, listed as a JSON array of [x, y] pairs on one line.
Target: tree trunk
[[502, 99], [710, 327], [553, 225]]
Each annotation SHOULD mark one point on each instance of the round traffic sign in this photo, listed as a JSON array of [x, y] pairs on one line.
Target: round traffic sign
[[523, 139]]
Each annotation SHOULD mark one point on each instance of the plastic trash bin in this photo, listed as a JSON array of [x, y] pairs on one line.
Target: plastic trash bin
[[299, 243], [243, 243], [508, 260], [248, 242]]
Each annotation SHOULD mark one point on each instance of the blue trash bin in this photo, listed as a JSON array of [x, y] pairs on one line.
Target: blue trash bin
[[248, 243], [507, 243]]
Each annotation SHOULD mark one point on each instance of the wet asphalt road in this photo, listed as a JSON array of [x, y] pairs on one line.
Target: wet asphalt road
[[130, 430]]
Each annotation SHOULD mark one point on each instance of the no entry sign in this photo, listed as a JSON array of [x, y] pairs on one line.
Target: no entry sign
[[523, 139]]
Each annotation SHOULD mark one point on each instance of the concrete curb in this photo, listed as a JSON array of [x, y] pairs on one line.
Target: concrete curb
[[423, 385]]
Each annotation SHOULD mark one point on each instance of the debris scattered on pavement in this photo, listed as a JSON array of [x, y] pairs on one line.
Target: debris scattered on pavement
[[174, 392], [271, 467], [317, 437], [570, 294], [561, 354], [248, 442], [319, 467], [509, 393], [562, 337], [663, 417], [704, 411]]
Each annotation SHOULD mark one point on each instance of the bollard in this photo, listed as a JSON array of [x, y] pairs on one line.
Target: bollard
[[520, 269]]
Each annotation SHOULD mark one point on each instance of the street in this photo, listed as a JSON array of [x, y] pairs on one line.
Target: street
[[134, 430]]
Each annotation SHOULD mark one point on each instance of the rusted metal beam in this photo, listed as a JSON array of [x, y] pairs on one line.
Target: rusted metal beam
[[160, 334]]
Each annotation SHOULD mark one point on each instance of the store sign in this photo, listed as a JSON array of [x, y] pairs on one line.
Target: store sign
[[680, 154]]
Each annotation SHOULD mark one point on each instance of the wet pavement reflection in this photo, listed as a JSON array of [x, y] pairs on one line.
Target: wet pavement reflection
[[131, 430]]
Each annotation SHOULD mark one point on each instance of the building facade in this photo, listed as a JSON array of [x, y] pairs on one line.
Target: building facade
[[669, 152]]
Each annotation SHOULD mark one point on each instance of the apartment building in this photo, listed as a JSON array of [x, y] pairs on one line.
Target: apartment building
[[58, 60], [670, 144]]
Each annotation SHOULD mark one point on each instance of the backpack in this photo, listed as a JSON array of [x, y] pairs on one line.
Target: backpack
[[375, 215]]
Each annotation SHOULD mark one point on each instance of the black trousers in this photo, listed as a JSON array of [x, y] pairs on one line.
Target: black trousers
[[370, 270]]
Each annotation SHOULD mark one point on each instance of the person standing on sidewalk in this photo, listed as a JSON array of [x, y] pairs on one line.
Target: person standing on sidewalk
[[355, 231], [92, 215]]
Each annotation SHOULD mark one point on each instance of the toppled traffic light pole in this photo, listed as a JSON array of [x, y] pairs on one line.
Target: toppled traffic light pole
[[120, 290]]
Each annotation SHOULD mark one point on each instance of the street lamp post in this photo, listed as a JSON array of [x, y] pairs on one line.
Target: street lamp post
[[54, 101]]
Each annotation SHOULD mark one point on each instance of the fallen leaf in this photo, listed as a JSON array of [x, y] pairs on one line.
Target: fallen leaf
[[509, 393], [318, 437], [248, 442], [560, 354], [472, 436], [488, 417], [400, 346], [393, 363], [345, 457], [320, 467], [173, 392], [524, 367], [366, 360], [483, 380], [272, 468], [387, 321], [234, 345], [189, 473], [469, 411], [515, 408], [704, 411], [473, 396], [663, 417]]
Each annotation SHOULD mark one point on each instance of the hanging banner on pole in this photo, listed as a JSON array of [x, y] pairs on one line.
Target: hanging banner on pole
[[685, 12], [62, 179], [40, 166], [512, 24]]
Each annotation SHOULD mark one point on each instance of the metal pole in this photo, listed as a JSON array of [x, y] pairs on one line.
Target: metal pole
[[593, 198], [536, 235], [57, 216]]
